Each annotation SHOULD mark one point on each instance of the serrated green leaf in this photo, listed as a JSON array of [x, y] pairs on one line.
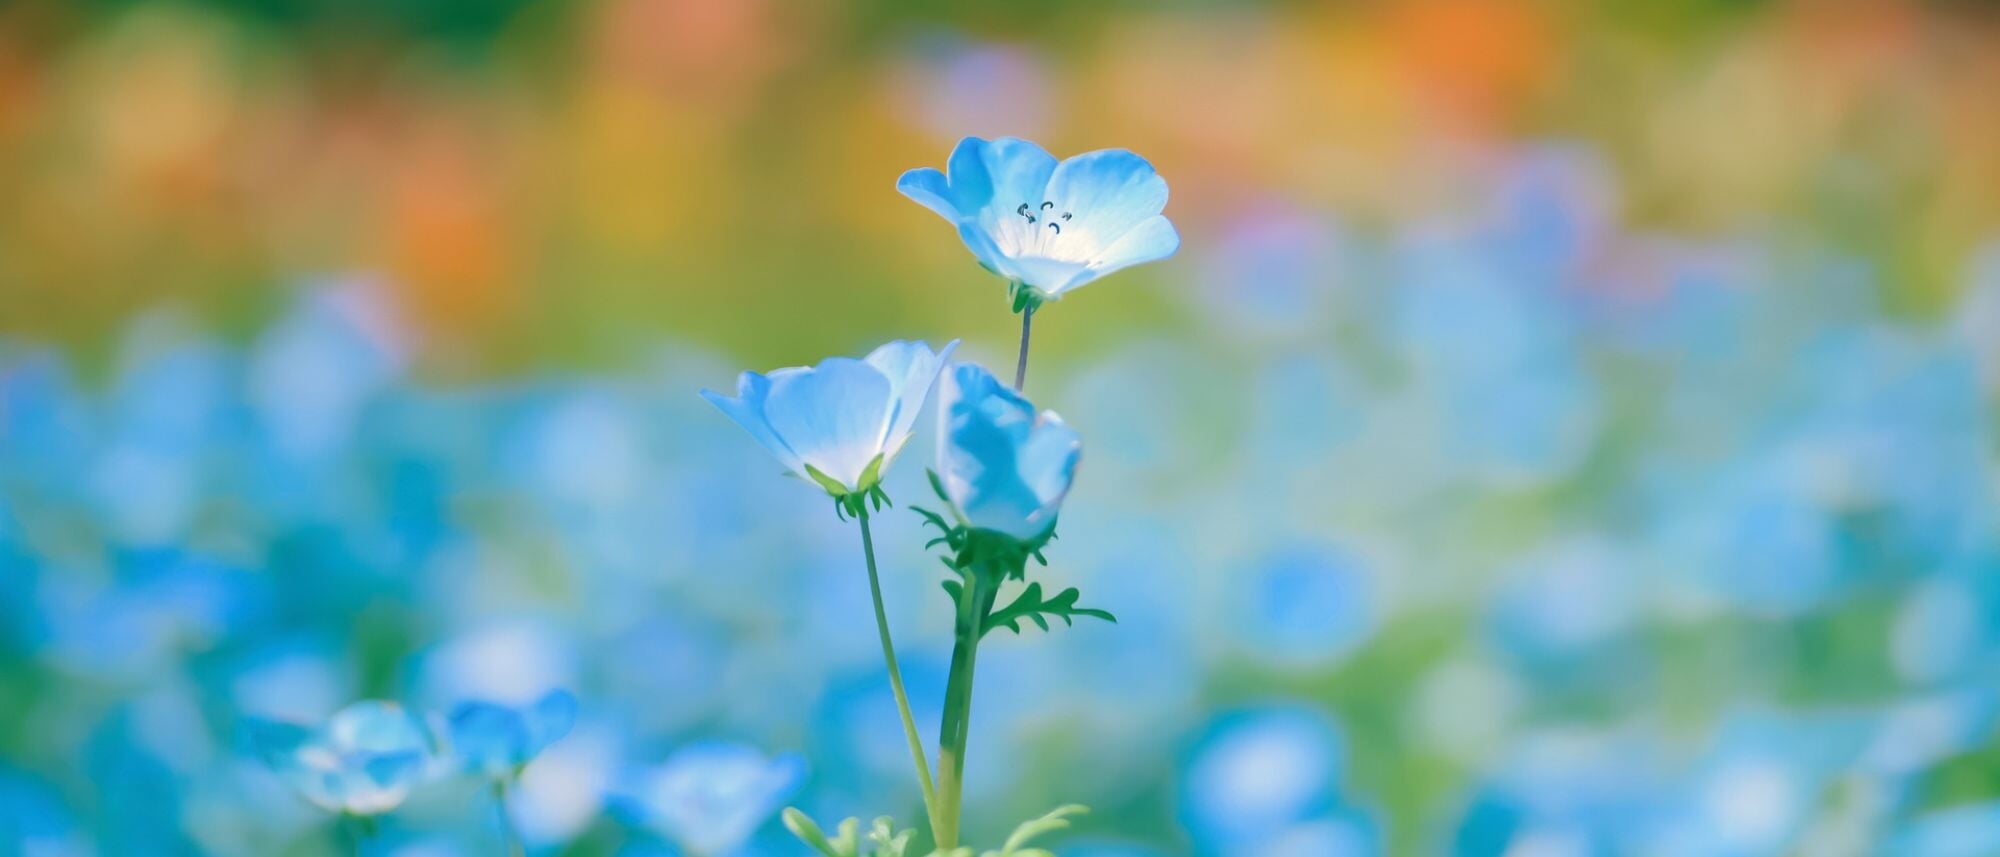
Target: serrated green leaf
[[1031, 606]]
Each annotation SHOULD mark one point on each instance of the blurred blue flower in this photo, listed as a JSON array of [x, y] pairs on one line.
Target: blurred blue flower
[[1004, 467], [1304, 605], [1259, 772], [495, 740], [1342, 834], [34, 820], [1921, 731], [363, 761], [837, 418], [955, 84], [711, 796], [1760, 785], [1053, 227], [1274, 270], [1972, 830]]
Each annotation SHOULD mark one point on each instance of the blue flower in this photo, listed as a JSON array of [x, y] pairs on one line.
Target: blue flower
[[711, 796], [1259, 772], [363, 761], [842, 422], [1050, 226], [1004, 467], [496, 740]]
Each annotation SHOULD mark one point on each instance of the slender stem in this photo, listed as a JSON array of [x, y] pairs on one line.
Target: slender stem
[[1021, 363], [896, 677], [954, 730], [358, 828], [510, 840]]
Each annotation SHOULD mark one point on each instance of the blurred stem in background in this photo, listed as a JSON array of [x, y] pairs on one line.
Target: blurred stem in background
[[510, 841], [896, 677], [359, 829]]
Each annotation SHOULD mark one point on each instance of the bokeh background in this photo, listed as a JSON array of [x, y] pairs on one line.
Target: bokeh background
[[1566, 429]]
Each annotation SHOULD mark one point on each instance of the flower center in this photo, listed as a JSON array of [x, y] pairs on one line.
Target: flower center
[[1044, 214]]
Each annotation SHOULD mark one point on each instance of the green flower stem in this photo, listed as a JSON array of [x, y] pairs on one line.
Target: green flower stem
[[896, 676], [509, 840], [359, 828], [1021, 363], [954, 729]]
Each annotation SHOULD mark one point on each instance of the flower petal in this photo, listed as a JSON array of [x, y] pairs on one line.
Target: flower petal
[[990, 179], [747, 409], [1106, 193], [928, 187], [551, 718], [980, 241], [1047, 461], [831, 415], [1003, 467], [1152, 240], [912, 368]]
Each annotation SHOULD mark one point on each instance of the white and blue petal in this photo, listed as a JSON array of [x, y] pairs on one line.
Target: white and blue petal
[[990, 180], [1106, 193], [831, 416], [983, 180], [1004, 467], [710, 797], [912, 369], [931, 190], [1151, 240], [363, 761], [747, 409], [496, 740]]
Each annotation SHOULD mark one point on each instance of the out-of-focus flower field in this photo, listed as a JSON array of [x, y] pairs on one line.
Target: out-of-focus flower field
[[1565, 430]]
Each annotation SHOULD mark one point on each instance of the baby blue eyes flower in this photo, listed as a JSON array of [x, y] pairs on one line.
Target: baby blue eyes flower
[[1004, 467], [363, 761], [711, 796], [1050, 226], [495, 740], [840, 423]]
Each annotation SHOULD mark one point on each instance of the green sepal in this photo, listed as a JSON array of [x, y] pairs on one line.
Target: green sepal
[[833, 486], [1029, 605], [871, 476], [855, 503], [1023, 297]]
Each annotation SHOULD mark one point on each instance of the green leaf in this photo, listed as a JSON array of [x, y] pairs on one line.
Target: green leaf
[[802, 826], [1056, 819], [887, 840], [1029, 605]]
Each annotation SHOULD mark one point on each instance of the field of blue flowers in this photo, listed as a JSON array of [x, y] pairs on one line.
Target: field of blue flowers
[[1708, 568], [1529, 430]]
